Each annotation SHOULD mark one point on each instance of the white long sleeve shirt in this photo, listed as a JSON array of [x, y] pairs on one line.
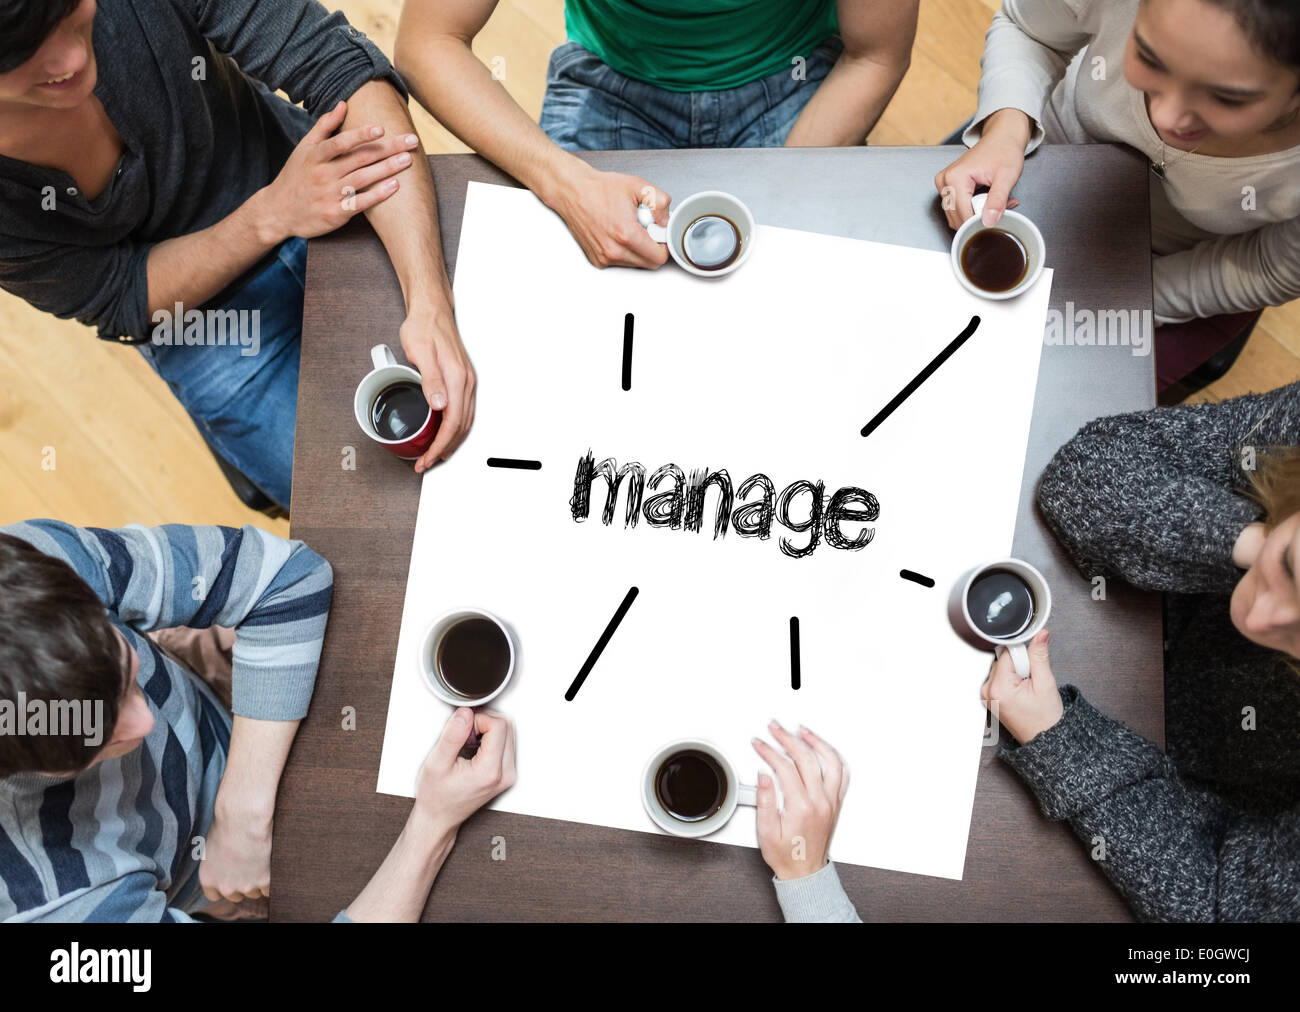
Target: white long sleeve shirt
[[1225, 232]]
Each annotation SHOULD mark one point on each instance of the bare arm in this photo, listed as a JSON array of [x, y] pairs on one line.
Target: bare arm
[[878, 37], [433, 55], [408, 226]]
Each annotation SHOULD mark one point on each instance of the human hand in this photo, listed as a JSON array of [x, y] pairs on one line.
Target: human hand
[[432, 345], [1025, 706], [236, 862], [450, 789], [600, 210], [328, 179], [795, 841], [996, 161]]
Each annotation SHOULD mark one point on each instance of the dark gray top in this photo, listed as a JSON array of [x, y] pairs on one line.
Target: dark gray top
[[1212, 832], [185, 82]]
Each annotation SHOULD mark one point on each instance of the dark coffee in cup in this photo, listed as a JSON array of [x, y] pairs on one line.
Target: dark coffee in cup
[[711, 242], [473, 657], [994, 260], [690, 785], [399, 411], [1001, 604]]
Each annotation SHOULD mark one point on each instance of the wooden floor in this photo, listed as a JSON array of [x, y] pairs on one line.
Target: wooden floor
[[90, 435]]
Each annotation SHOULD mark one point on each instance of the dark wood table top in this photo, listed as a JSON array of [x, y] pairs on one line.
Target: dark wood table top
[[332, 830]]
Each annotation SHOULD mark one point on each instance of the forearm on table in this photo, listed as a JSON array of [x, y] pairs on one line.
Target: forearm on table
[[849, 102], [191, 269], [399, 888], [449, 80], [407, 222], [258, 752]]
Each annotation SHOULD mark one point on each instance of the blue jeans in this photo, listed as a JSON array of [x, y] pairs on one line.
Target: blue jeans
[[591, 107], [243, 392]]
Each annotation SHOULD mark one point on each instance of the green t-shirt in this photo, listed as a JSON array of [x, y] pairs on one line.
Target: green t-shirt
[[699, 45]]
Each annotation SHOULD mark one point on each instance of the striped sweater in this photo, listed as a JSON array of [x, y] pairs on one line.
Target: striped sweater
[[118, 842]]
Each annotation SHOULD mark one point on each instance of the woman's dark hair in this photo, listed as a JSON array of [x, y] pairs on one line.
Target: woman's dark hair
[[57, 645], [25, 25], [1273, 27]]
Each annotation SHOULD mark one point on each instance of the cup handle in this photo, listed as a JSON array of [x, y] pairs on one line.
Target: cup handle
[[647, 219], [1019, 657], [977, 203], [382, 355], [747, 795]]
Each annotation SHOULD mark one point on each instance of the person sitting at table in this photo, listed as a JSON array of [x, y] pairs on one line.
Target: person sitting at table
[[128, 792], [1209, 92], [1202, 503], [658, 74], [157, 190]]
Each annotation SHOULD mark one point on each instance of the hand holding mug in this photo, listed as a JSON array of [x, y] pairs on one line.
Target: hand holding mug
[[996, 161], [1025, 706], [450, 789], [795, 841]]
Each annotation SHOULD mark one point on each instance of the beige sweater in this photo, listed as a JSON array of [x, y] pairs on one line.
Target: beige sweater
[[1225, 231]]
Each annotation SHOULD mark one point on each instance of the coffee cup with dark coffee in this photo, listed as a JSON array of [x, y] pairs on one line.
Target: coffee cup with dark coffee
[[1001, 604], [467, 657], [1001, 261], [391, 408], [709, 234], [690, 789]]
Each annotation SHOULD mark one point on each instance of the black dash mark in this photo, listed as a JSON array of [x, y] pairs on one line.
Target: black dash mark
[[922, 376], [627, 351], [601, 643], [794, 652], [523, 465], [924, 581]]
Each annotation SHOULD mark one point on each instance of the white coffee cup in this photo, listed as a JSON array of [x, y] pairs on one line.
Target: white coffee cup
[[428, 658], [690, 210], [1019, 226], [737, 793], [960, 617]]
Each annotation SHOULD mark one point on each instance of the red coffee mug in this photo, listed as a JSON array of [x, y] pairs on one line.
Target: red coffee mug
[[385, 373]]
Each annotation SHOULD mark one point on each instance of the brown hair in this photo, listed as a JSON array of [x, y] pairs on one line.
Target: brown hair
[[56, 643], [1275, 483]]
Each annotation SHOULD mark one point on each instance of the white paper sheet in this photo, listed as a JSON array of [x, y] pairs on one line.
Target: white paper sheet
[[774, 369]]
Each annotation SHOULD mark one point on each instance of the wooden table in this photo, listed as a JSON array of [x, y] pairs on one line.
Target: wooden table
[[332, 830]]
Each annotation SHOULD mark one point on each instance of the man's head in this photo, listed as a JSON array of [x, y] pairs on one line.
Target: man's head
[[46, 56], [57, 646]]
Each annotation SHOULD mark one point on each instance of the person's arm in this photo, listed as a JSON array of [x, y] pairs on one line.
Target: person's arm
[[449, 790], [1175, 852], [1229, 274], [433, 54], [328, 178], [1155, 497], [795, 839], [878, 37], [237, 852], [407, 223], [1026, 51]]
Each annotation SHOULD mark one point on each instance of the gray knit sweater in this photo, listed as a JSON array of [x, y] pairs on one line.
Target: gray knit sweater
[[1212, 832]]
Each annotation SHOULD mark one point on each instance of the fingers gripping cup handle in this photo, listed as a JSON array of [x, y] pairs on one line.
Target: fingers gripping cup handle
[[1019, 657], [647, 219]]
